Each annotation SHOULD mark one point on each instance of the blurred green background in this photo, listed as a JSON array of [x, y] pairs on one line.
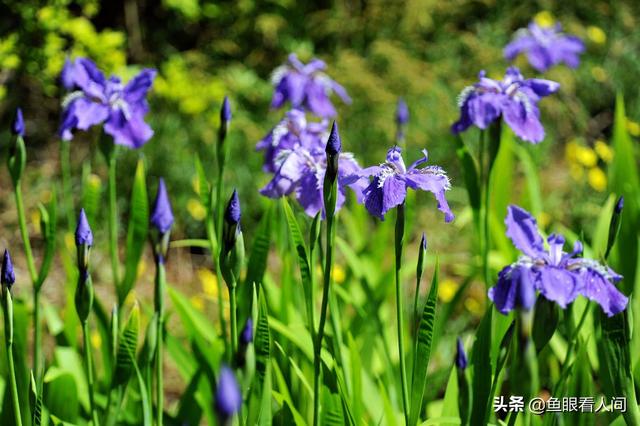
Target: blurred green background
[[423, 50]]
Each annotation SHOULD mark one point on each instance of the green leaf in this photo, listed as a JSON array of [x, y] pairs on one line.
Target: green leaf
[[127, 347], [301, 251], [203, 185], [470, 172], [533, 191], [257, 265], [545, 322], [263, 340], [61, 396], [332, 413], [423, 350], [482, 368], [137, 231], [35, 402], [48, 226]]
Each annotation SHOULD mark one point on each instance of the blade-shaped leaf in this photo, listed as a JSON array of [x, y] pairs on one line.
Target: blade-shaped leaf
[[423, 350], [482, 368], [137, 231], [127, 346]]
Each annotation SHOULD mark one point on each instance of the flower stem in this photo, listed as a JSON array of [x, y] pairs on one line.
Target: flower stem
[[37, 336], [233, 319], [159, 305], [399, 240], [113, 218], [67, 201], [33, 274], [88, 367], [219, 214], [317, 349], [7, 306]]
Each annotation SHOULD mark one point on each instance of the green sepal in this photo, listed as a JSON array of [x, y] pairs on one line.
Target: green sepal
[[17, 160]]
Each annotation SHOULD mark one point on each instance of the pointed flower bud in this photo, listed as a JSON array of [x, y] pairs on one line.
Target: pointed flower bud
[[334, 144], [423, 242], [228, 399], [402, 112], [8, 276], [461, 356], [225, 111], [246, 336], [162, 215], [84, 236], [619, 205], [232, 214], [17, 127]]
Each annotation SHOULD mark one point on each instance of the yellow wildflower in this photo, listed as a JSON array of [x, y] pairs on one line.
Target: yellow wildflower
[[473, 306], [571, 150], [633, 128], [96, 339], [447, 289], [197, 302], [544, 19], [576, 171], [596, 34], [338, 274], [603, 150], [196, 209], [586, 156], [597, 179], [209, 282]]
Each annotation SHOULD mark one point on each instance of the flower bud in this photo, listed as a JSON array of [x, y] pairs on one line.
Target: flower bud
[[17, 127], [7, 276], [84, 295], [614, 225], [162, 220], [225, 119], [402, 112], [84, 240], [228, 399], [461, 355]]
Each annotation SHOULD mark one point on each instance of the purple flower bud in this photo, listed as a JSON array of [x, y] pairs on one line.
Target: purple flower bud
[[461, 356], [246, 336], [17, 127], [225, 111], [228, 398], [7, 277], [84, 236], [162, 216], [423, 242], [402, 112], [334, 145], [619, 205], [233, 213]]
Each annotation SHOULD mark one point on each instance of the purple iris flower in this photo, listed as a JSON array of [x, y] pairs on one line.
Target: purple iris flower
[[97, 100], [391, 179], [228, 398], [7, 275], [294, 130], [559, 276], [300, 171], [306, 86], [545, 47], [514, 98], [162, 215]]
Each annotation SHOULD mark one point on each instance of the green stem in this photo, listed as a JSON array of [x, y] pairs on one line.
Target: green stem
[[399, 239], [234, 319], [65, 166], [206, 244], [88, 366], [113, 219], [219, 209], [24, 234], [328, 265], [37, 336], [7, 305], [160, 285]]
